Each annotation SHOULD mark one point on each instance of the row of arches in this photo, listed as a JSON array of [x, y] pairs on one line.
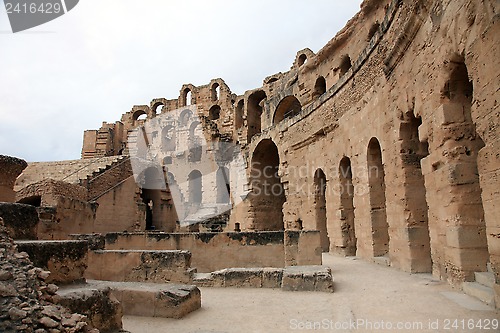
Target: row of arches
[[155, 193], [418, 191]]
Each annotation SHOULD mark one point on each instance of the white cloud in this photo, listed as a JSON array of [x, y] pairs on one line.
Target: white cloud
[[94, 63]]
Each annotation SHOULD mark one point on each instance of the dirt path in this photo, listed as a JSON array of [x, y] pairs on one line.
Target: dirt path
[[367, 298]]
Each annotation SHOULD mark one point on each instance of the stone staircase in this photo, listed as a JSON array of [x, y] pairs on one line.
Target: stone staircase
[[72, 171], [482, 288]]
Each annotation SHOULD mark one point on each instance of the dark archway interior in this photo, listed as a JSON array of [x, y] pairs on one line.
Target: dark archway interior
[[268, 195]]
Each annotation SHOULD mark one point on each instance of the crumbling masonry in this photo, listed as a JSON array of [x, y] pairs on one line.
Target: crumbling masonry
[[386, 141]]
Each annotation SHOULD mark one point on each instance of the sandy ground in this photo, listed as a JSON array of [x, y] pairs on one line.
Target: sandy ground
[[367, 298]]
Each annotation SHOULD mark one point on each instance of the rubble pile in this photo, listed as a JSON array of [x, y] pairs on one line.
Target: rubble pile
[[26, 300]]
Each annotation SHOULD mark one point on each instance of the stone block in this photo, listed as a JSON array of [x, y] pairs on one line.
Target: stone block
[[470, 260], [466, 236], [243, 277], [20, 220], [307, 278], [66, 260], [103, 310], [271, 277], [449, 113]]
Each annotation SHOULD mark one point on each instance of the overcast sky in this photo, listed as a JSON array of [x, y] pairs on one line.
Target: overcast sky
[[104, 56]]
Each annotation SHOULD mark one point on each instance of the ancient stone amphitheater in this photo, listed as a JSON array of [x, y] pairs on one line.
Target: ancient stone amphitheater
[[385, 145]]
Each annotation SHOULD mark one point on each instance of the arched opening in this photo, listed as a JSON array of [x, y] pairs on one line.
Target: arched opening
[[345, 65], [347, 207], [185, 117], [195, 187], [238, 117], [35, 200], [187, 97], [288, 107], [254, 113], [378, 215], [373, 30], [168, 138], [320, 208], [139, 117], [157, 108], [458, 158], [215, 92], [319, 87], [223, 186], [267, 193], [302, 60], [417, 221], [152, 184], [214, 112], [195, 142]]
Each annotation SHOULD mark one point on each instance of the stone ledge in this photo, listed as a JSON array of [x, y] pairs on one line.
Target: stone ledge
[[163, 266], [146, 299], [307, 278], [66, 260], [292, 278], [96, 302]]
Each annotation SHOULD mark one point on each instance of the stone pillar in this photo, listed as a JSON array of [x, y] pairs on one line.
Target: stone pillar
[[10, 169], [456, 216]]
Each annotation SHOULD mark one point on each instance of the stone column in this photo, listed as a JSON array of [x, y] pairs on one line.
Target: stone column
[[10, 169]]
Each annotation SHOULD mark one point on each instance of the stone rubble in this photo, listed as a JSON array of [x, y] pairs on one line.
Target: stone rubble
[[26, 303]]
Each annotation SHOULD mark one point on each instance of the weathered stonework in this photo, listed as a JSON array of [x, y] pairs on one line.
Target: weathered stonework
[[386, 141], [10, 168]]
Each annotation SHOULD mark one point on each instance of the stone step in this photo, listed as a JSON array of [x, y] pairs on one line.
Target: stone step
[[156, 266], [165, 300], [480, 292], [487, 279]]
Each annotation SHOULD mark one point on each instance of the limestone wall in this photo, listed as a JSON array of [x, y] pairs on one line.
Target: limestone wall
[[386, 140], [215, 251]]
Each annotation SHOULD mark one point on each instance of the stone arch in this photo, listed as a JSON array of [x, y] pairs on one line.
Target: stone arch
[[456, 174], [187, 97], [223, 186], [195, 143], [373, 30], [254, 113], [319, 87], [157, 107], [214, 112], [320, 208], [168, 138], [139, 115], [378, 214], [345, 65], [152, 183], [302, 59], [267, 193], [346, 209], [185, 116], [238, 116], [288, 107], [195, 187], [215, 92], [412, 151]]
